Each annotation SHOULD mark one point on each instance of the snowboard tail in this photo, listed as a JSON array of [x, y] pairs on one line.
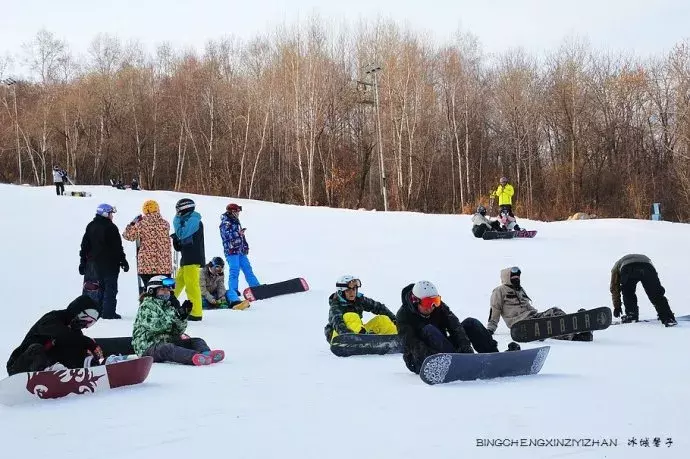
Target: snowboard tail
[[528, 330], [444, 368], [42, 385], [264, 291], [525, 233], [359, 344]]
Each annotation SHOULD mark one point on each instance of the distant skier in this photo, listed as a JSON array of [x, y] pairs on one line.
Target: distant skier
[[160, 325], [58, 180], [212, 284], [56, 340], [504, 192], [511, 302], [347, 305], [151, 231], [625, 275], [427, 326], [481, 223], [188, 239], [135, 184], [101, 257], [236, 251]]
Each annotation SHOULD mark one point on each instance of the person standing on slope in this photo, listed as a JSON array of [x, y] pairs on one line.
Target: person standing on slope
[[236, 251], [160, 325], [625, 275], [481, 223], [212, 283], [510, 301], [56, 340], [101, 257], [427, 326], [504, 192], [58, 180], [188, 239], [346, 307], [151, 232]]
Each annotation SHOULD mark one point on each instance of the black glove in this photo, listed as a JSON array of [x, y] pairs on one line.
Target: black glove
[[466, 349], [617, 311], [184, 309], [82, 268], [125, 265]]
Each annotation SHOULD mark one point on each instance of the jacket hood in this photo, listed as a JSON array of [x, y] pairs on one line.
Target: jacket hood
[[505, 276], [405, 298], [82, 303]]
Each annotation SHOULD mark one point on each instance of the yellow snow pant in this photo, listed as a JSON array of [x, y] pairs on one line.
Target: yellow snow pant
[[187, 279], [378, 325]]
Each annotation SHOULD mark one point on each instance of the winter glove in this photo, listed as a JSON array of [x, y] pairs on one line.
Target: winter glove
[[617, 311], [184, 309], [82, 268], [124, 265], [466, 348]]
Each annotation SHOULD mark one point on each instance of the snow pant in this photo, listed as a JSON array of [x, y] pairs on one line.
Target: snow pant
[[237, 263], [479, 230], [179, 351], [33, 358], [378, 325], [479, 336], [188, 279], [145, 278], [107, 290], [645, 273], [59, 188]]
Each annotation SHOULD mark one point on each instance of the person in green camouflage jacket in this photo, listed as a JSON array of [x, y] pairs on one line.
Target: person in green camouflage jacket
[[347, 305], [160, 325]]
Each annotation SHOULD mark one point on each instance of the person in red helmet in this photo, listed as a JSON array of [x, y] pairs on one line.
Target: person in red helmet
[[236, 251], [427, 326]]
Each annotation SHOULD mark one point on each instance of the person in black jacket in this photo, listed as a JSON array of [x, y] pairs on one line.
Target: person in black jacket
[[101, 257], [188, 239], [427, 326], [57, 338]]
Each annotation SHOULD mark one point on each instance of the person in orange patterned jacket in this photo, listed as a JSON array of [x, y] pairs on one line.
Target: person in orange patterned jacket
[[151, 232]]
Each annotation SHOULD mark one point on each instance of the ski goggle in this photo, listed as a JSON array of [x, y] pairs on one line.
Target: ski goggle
[[168, 282], [428, 304], [353, 284], [87, 317]]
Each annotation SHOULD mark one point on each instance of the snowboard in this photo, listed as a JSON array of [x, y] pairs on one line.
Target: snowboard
[[360, 344], [528, 330], [113, 346], [264, 291], [491, 235], [42, 385], [444, 368], [82, 194], [678, 319], [525, 233]]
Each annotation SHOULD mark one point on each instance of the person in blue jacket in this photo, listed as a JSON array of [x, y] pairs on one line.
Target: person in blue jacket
[[236, 250]]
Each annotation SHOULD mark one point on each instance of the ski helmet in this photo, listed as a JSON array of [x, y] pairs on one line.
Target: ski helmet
[[157, 282], [232, 207], [424, 289], [184, 206], [217, 262], [104, 210], [347, 282], [150, 207], [481, 210]]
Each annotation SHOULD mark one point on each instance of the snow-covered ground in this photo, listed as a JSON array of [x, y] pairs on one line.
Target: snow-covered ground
[[280, 393]]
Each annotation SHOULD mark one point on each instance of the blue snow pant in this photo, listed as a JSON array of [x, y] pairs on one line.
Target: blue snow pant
[[235, 264]]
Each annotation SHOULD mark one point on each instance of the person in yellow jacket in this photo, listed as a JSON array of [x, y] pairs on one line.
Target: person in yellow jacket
[[346, 307], [504, 193]]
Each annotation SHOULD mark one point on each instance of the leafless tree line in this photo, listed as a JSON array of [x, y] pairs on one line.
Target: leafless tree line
[[298, 116]]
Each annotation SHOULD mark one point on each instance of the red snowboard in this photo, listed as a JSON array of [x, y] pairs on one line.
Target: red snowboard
[[25, 387]]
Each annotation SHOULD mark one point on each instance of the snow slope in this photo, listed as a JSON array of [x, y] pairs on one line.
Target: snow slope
[[281, 393]]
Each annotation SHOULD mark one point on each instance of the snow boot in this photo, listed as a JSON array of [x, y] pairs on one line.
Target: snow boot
[[669, 321], [201, 359], [629, 318], [216, 355], [584, 336]]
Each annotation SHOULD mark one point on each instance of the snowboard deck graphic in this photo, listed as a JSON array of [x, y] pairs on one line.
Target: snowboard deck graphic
[[444, 368], [360, 344], [528, 330], [42, 385]]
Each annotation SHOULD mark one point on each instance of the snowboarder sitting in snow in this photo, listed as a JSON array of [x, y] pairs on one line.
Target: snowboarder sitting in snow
[[507, 220], [160, 324], [427, 326], [212, 283], [346, 307], [510, 301], [625, 275], [481, 223], [56, 340]]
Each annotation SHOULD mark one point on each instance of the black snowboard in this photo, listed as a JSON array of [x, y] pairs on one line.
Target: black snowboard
[[113, 346], [528, 330], [264, 291], [491, 235], [443, 368], [678, 319], [360, 344]]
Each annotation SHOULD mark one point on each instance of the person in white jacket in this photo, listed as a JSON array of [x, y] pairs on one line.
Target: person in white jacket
[[58, 180]]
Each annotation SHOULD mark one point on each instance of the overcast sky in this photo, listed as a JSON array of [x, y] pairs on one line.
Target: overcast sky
[[642, 27]]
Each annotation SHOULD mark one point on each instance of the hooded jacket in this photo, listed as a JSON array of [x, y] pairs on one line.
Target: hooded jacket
[[410, 325], [101, 246], [157, 322], [615, 286], [153, 251], [61, 342], [509, 302], [212, 285], [234, 241]]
